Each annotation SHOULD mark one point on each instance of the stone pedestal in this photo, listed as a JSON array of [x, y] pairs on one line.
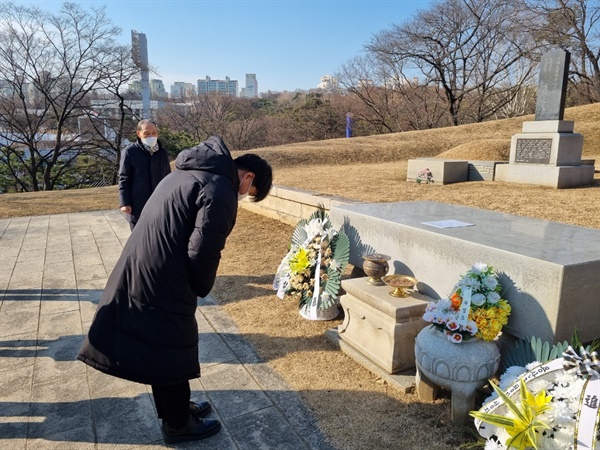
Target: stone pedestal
[[461, 368], [547, 153], [381, 327]]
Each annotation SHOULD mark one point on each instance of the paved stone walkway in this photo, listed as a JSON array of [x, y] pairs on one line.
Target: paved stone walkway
[[52, 272]]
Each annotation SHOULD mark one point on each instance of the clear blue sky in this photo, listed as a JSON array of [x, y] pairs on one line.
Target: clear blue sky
[[288, 44]]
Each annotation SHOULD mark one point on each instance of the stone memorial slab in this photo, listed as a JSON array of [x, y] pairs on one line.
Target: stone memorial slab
[[552, 86]]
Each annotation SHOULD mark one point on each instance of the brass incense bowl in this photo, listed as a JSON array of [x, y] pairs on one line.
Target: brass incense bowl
[[399, 283]]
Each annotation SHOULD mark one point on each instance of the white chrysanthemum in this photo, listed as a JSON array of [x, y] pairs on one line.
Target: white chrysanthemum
[[493, 297], [564, 436], [570, 391], [564, 377], [503, 435], [493, 444], [533, 364], [510, 376], [479, 268], [490, 282], [478, 299], [537, 384], [550, 442], [561, 413]]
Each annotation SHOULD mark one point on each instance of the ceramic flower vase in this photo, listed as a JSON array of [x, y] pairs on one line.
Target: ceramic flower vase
[[461, 368]]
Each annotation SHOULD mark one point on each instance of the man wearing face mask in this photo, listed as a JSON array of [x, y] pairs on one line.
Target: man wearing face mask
[[143, 165], [144, 329]]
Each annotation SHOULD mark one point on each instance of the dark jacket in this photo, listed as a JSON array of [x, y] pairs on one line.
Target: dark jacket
[[139, 174], [144, 329]]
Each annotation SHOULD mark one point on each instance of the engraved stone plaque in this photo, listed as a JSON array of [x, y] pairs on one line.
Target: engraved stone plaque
[[552, 86], [533, 151]]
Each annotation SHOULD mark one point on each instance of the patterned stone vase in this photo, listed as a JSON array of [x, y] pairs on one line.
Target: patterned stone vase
[[461, 368]]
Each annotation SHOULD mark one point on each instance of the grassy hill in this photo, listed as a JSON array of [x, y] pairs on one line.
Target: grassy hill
[[373, 169], [481, 141]]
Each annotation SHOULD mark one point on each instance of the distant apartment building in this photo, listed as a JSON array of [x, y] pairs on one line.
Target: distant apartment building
[[135, 87], [328, 83], [226, 86], [182, 90], [251, 89], [157, 89]]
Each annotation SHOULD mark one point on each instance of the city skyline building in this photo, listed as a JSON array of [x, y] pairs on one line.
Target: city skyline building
[[139, 53], [226, 86], [181, 89], [328, 83], [251, 89], [157, 89]]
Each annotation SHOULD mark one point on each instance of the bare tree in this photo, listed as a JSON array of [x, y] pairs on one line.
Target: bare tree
[[49, 66], [367, 78], [187, 116], [574, 26], [110, 115], [466, 49]]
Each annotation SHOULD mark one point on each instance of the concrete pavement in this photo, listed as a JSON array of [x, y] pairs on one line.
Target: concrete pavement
[[52, 273]]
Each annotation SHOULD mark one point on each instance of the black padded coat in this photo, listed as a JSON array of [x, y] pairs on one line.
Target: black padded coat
[[144, 329], [139, 174]]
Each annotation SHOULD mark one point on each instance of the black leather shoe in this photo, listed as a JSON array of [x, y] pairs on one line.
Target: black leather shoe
[[199, 410], [194, 430]]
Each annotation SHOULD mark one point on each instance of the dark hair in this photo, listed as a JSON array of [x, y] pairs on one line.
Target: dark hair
[[263, 174]]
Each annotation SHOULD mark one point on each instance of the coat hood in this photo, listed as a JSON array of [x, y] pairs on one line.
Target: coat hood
[[212, 155]]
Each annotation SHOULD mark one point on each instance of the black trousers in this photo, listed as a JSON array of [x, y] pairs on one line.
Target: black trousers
[[173, 403]]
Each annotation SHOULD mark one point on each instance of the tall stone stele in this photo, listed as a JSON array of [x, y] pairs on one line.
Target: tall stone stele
[[548, 152]]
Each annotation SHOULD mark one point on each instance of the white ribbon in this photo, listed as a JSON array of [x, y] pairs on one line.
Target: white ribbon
[[587, 422], [318, 275], [463, 313]]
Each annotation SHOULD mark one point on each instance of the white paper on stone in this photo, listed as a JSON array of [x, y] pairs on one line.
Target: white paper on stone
[[448, 224]]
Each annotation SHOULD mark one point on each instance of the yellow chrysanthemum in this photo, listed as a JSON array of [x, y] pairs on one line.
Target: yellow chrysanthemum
[[299, 261]]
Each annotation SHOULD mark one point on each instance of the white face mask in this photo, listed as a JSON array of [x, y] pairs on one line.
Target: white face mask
[[243, 196], [150, 141]]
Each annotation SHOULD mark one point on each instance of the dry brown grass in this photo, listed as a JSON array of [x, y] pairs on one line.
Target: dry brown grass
[[475, 139], [355, 409]]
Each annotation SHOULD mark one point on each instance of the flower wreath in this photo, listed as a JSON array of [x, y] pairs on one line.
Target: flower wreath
[[312, 269], [549, 406], [475, 309]]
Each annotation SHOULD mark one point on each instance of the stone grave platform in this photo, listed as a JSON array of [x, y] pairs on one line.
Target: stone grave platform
[[550, 271], [444, 171]]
